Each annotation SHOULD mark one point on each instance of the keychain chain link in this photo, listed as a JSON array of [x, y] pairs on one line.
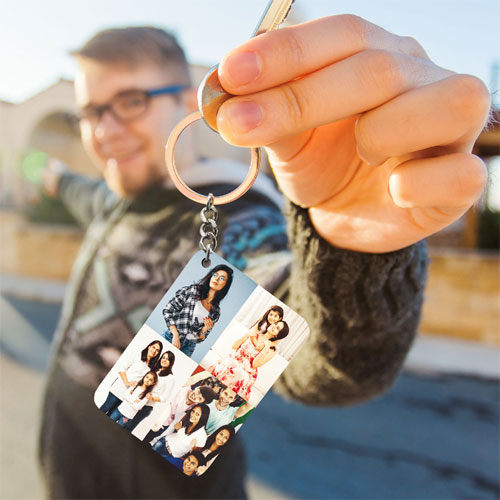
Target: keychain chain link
[[208, 229]]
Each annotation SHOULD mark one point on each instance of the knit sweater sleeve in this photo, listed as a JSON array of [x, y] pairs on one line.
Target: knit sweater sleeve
[[363, 311], [84, 197]]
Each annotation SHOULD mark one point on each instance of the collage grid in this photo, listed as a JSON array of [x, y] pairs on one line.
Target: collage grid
[[191, 376]]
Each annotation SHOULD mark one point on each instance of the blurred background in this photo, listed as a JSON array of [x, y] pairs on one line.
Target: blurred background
[[434, 435]]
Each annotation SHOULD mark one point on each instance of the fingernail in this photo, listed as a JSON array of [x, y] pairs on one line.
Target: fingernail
[[242, 68], [242, 116], [364, 158]]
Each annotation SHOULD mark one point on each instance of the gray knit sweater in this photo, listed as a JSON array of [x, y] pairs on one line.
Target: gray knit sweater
[[362, 309]]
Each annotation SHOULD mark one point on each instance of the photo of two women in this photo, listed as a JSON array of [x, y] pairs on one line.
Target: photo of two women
[[256, 346]]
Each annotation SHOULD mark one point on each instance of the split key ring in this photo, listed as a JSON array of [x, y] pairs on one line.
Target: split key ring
[[211, 96], [185, 189]]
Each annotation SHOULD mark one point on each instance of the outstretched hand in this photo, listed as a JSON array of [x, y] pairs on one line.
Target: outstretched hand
[[51, 175], [361, 127]]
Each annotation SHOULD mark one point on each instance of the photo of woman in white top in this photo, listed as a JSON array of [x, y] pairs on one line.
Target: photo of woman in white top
[[130, 371], [162, 391], [189, 433], [134, 399]]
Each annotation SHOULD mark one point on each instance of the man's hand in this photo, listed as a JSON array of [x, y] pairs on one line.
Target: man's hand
[[201, 470], [50, 176], [360, 127]]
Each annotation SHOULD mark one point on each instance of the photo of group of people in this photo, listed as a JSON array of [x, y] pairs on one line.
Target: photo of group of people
[[188, 402]]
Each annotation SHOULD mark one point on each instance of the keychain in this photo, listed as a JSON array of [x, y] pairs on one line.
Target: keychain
[[211, 96], [215, 343]]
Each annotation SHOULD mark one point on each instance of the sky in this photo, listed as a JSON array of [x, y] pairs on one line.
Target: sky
[[37, 35]]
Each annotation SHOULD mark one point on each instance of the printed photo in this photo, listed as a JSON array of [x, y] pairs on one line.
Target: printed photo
[[202, 419], [189, 412], [256, 346], [142, 382], [200, 304]]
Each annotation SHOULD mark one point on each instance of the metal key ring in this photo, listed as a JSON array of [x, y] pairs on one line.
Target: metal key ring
[[185, 189]]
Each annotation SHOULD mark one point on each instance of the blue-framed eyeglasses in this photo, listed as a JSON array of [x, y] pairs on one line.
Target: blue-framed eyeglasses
[[220, 277], [127, 105]]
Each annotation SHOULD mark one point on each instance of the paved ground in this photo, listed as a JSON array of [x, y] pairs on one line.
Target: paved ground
[[434, 436]]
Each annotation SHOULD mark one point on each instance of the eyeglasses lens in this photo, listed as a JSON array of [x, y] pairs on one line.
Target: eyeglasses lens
[[129, 105], [125, 106]]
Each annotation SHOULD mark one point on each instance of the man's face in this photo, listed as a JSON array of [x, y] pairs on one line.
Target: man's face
[[131, 155], [189, 465], [227, 396]]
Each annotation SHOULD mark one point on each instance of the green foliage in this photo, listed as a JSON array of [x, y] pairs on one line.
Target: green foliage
[[33, 164]]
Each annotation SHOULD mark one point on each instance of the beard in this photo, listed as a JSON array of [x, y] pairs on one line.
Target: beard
[[130, 182]]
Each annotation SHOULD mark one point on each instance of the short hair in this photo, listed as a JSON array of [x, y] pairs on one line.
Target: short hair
[[134, 46], [238, 400], [198, 455], [208, 394]]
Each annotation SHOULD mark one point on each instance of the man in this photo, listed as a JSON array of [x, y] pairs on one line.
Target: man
[[223, 412], [369, 140], [192, 462], [191, 465]]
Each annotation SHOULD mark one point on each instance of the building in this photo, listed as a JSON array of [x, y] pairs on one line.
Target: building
[[42, 125]]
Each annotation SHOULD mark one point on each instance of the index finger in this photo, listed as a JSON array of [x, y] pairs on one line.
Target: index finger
[[280, 56]]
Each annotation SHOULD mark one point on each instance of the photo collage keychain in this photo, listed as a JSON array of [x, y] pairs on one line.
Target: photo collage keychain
[[215, 343]]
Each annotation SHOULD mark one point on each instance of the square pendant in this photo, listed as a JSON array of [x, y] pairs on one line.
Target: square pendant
[[204, 359]]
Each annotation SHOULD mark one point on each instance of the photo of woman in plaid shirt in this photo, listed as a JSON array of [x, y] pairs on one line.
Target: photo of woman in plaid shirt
[[191, 314]]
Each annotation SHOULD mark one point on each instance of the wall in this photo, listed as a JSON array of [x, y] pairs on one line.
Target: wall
[[461, 300], [32, 250], [463, 295]]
